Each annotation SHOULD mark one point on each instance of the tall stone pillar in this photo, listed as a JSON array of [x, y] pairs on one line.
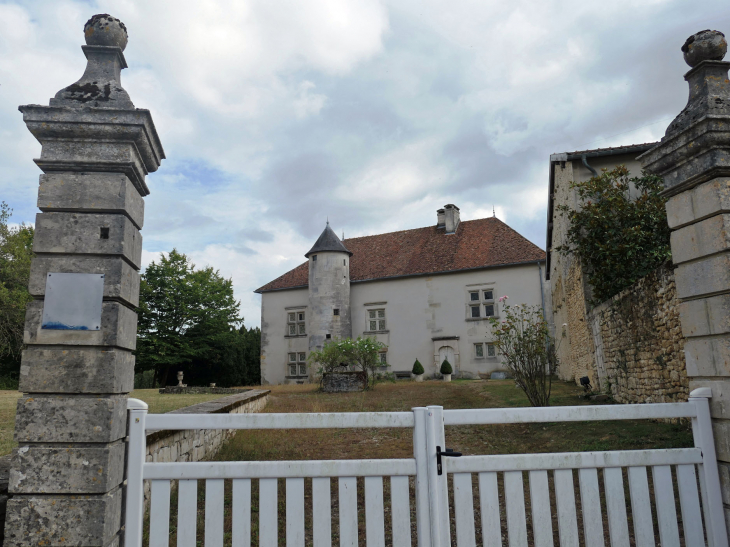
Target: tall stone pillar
[[694, 159], [66, 476]]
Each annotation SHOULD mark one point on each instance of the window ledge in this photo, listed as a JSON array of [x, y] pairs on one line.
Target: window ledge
[[296, 377], [295, 336], [375, 331], [481, 318]]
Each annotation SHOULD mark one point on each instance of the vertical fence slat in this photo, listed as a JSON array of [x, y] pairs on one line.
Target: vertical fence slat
[[160, 513], [420, 453], [489, 503], [214, 513], [590, 503], [665, 507], [187, 513], [348, 511], [641, 507], [400, 511], [689, 503], [440, 491], [618, 524], [542, 522], [464, 510], [241, 511], [321, 512], [565, 502], [514, 494], [295, 512], [374, 512], [268, 513]]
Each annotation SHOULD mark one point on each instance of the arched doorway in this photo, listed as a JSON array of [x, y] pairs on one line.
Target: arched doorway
[[446, 352]]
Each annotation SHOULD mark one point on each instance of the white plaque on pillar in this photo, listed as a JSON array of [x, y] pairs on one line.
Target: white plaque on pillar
[[73, 301]]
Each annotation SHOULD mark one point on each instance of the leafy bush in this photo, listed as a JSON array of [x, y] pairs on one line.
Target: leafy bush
[[362, 353], [618, 239], [524, 341], [446, 367], [417, 368]]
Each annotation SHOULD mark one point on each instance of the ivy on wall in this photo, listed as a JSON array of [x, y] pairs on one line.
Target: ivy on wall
[[618, 239]]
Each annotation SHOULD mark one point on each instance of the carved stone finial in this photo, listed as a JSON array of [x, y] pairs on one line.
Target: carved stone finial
[[100, 86], [706, 45], [104, 30]]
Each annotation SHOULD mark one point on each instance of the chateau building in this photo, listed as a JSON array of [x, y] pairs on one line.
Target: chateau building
[[426, 294]]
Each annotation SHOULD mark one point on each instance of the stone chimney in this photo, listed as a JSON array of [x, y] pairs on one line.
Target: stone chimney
[[440, 218], [451, 218]]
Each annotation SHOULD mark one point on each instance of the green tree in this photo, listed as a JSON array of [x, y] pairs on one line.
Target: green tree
[[186, 316], [15, 255], [361, 353], [618, 239]]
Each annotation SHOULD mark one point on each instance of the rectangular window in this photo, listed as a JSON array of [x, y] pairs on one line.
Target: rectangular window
[[296, 324], [491, 352], [302, 370], [292, 370], [376, 320], [475, 311], [302, 357], [337, 311], [372, 314], [373, 325], [478, 350], [489, 295], [489, 310], [383, 358], [474, 296], [314, 258], [293, 357], [475, 299]]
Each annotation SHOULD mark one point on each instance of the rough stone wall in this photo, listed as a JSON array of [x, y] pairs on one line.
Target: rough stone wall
[[642, 343], [344, 381], [193, 445], [578, 360], [174, 390]]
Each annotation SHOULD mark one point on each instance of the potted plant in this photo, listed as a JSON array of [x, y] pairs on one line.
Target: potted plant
[[446, 370], [417, 371]]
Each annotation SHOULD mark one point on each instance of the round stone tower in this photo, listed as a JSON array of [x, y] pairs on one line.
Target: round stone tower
[[329, 290]]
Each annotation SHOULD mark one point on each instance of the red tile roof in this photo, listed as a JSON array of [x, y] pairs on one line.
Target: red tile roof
[[481, 243]]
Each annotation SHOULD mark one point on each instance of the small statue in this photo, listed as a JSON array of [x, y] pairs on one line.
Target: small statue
[[180, 378]]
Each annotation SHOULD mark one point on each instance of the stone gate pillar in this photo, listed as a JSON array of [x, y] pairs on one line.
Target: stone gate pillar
[[694, 159], [66, 476]]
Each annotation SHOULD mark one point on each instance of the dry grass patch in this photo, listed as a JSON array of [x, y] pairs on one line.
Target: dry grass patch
[[8, 405]]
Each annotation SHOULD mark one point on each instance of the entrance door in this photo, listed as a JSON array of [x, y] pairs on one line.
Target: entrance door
[[446, 352]]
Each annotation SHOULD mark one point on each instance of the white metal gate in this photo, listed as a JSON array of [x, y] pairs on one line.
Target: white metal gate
[[429, 470]]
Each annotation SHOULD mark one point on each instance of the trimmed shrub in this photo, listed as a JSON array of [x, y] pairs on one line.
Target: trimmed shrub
[[446, 367], [417, 368]]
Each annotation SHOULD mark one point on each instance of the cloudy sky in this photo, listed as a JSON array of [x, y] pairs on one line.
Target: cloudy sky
[[276, 114]]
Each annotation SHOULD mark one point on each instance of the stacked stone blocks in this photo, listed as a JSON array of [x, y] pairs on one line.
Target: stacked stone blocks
[[66, 476], [694, 160]]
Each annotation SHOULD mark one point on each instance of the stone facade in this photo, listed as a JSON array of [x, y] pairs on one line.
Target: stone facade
[[638, 344], [194, 445]]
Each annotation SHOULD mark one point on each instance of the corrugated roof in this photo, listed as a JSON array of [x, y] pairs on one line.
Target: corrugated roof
[[482, 243]]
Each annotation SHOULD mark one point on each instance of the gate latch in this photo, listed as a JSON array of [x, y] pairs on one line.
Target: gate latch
[[448, 452]]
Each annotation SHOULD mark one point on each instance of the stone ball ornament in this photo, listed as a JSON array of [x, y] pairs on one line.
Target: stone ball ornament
[[104, 30], [706, 45]]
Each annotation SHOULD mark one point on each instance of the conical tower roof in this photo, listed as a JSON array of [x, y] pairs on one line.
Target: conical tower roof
[[328, 242]]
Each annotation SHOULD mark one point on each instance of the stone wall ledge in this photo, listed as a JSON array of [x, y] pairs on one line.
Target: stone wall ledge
[[224, 405]]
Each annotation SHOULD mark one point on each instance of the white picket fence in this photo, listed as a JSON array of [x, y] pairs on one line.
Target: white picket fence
[[701, 510]]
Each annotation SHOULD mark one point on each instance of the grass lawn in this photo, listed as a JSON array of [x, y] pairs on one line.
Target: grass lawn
[[159, 404], [397, 443]]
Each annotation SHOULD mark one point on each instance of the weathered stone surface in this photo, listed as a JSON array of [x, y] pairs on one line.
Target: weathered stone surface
[[91, 193], [67, 469], [135, 127], [720, 401], [704, 238], [703, 201], [118, 328], [344, 381], [721, 432], [121, 281], [706, 276], [708, 356], [705, 316], [64, 419], [724, 469], [79, 520], [76, 370], [74, 233]]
